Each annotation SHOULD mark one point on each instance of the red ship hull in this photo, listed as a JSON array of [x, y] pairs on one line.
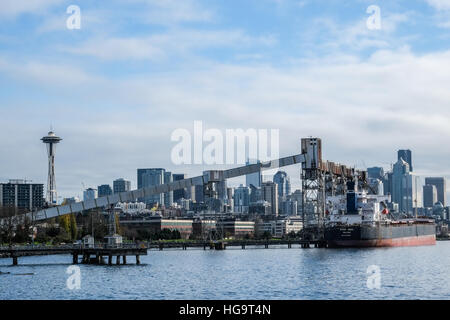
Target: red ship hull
[[394, 242]]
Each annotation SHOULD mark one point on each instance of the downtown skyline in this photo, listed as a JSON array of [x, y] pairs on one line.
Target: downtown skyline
[[116, 90]]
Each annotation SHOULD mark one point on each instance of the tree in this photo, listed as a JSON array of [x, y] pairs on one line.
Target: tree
[[73, 227], [14, 221], [64, 223], [266, 235], [117, 221]]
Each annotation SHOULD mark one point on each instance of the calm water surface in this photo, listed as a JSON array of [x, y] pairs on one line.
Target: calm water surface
[[276, 273]]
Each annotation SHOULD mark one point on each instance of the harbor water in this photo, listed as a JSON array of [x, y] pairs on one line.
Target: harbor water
[[253, 273]]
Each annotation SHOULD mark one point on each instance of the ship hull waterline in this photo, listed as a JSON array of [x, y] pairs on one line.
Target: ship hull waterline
[[428, 240], [393, 235]]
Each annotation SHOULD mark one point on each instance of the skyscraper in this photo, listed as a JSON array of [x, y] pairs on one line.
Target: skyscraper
[[441, 188], [270, 194], [253, 178], [376, 173], [180, 193], [168, 196], [405, 188], [121, 185], [148, 178], [90, 194], [104, 190], [284, 183], [430, 196], [241, 199], [199, 195], [406, 155]]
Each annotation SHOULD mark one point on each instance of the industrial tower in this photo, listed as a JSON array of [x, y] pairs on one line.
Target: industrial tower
[[51, 140]]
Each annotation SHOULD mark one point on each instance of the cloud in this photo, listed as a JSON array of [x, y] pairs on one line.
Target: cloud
[[439, 4], [47, 74], [160, 46], [363, 109], [13, 8], [328, 35]]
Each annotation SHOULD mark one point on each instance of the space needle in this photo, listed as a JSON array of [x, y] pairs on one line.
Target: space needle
[[51, 140]]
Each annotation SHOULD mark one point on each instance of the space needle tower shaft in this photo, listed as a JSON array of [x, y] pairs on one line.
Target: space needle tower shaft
[[51, 140]]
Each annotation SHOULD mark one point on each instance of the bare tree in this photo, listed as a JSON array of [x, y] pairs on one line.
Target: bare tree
[[12, 220]]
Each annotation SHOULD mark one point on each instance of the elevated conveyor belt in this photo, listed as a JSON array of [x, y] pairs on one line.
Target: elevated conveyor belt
[[163, 188]]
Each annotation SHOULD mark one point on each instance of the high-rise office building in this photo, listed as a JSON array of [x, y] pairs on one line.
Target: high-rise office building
[[430, 196], [376, 186], [121, 185], [269, 192], [290, 207], [382, 186], [168, 196], [441, 188], [222, 190], [406, 155], [180, 193], [405, 188], [375, 173], [90, 194], [255, 194], [104, 190], [284, 183], [241, 199], [199, 195], [254, 179], [22, 194], [148, 178]]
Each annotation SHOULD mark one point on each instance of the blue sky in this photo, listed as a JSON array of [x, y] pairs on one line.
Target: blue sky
[[137, 70]]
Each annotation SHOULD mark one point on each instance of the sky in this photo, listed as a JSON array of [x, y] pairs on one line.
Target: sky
[[117, 88]]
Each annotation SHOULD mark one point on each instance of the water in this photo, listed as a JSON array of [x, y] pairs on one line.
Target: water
[[275, 273]]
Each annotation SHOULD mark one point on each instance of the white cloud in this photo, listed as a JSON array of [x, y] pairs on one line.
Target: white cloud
[[326, 33], [160, 46], [12, 8], [363, 110], [440, 4]]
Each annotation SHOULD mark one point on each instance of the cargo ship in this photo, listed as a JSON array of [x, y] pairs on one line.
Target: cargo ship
[[359, 219]]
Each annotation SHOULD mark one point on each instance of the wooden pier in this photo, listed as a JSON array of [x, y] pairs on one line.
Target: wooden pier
[[105, 255], [88, 255], [222, 245]]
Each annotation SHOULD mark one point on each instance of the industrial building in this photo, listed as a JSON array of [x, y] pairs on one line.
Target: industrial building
[[235, 228], [156, 224]]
